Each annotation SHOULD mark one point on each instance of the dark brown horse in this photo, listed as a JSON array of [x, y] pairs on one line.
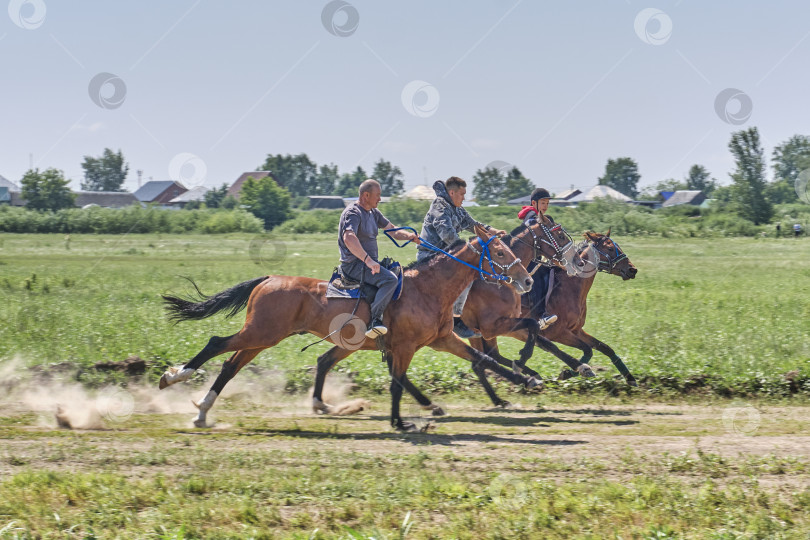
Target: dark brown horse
[[281, 306], [542, 238], [568, 300]]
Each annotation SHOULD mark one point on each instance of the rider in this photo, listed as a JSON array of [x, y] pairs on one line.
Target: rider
[[357, 240], [441, 227], [543, 275]]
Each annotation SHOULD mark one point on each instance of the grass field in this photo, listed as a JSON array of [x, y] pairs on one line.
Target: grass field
[[728, 314], [712, 445]]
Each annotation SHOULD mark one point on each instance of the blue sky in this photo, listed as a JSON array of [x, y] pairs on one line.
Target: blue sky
[[556, 88]]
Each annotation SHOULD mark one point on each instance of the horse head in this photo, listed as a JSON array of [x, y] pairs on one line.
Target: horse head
[[502, 261], [610, 257], [550, 241]]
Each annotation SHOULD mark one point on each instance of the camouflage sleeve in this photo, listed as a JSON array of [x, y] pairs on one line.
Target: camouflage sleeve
[[443, 225]]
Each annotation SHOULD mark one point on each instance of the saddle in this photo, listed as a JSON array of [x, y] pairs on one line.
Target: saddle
[[342, 286]]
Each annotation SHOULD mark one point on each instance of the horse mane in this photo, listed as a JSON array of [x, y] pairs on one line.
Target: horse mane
[[417, 265]]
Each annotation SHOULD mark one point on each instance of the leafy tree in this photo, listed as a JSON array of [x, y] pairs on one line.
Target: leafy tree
[[325, 181], [213, 198], [105, 173], [516, 185], [780, 192], [297, 174], [266, 200], [790, 158], [622, 175], [389, 177], [748, 190], [229, 202], [489, 186], [700, 179], [46, 190], [349, 184]]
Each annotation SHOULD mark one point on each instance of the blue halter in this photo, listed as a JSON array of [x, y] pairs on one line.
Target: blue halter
[[485, 255]]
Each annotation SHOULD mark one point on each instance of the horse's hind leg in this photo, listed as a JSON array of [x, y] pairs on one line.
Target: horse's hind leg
[[230, 368], [326, 362], [216, 346]]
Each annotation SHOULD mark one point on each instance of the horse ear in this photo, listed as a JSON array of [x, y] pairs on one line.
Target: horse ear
[[608, 233], [590, 235], [481, 232]]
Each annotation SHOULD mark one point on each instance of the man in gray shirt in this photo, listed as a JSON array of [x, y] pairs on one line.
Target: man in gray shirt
[[444, 221], [357, 241]]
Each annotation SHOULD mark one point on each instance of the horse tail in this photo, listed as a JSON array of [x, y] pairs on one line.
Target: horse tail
[[191, 308]]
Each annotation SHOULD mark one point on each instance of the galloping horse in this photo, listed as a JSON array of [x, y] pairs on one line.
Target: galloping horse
[[543, 238], [281, 306], [567, 299]]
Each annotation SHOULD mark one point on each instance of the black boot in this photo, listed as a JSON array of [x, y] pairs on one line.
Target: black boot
[[462, 330]]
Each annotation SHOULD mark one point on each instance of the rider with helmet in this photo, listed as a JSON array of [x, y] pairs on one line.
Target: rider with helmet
[[543, 276]]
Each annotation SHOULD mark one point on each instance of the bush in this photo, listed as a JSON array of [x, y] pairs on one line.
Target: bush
[[133, 219], [312, 221]]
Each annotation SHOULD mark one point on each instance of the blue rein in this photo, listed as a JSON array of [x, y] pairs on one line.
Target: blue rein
[[484, 253]]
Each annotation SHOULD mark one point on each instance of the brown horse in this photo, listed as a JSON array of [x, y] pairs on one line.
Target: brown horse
[[281, 306], [567, 299], [542, 238]]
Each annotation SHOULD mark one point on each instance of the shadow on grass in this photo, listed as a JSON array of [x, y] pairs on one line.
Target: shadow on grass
[[534, 421], [411, 438]]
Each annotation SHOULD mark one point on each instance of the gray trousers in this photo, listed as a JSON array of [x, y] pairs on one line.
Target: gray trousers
[[384, 280]]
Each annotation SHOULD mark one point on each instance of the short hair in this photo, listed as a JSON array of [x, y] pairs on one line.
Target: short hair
[[368, 186], [454, 182]]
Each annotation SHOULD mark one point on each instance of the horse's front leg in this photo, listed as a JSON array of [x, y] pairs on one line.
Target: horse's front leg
[[610, 353]]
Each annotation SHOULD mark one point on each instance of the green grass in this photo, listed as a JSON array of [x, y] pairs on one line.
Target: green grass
[[310, 477], [725, 316]]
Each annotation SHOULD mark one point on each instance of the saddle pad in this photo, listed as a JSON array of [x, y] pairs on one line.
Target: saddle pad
[[334, 292]]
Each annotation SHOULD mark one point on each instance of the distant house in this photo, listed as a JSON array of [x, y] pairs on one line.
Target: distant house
[[195, 194], [159, 191], [420, 193], [9, 192], [590, 194], [680, 197], [568, 194], [105, 199], [236, 187], [326, 201]]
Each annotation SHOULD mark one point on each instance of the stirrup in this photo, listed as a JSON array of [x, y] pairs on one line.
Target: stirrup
[[546, 321], [376, 329]]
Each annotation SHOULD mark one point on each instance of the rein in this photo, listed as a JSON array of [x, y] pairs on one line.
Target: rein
[[559, 251], [607, 266], [484, 255]]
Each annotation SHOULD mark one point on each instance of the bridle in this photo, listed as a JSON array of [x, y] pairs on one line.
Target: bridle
[[608, 263], [485, 254], [537, 247]]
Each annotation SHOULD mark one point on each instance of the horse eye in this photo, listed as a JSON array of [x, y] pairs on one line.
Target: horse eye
[[500, 254]]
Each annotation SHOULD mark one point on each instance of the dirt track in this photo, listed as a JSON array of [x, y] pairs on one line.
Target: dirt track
[[607, 434]]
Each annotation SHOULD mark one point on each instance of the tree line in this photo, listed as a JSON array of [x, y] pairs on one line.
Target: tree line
[[296, 176]]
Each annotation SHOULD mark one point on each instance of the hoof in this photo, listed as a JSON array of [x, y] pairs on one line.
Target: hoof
[[201, 423], [586, 371], [535, 384], [632, 382], [504, 404], [438, 411], [320, 407], [173, 375], [407, 427], [567, 374]]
